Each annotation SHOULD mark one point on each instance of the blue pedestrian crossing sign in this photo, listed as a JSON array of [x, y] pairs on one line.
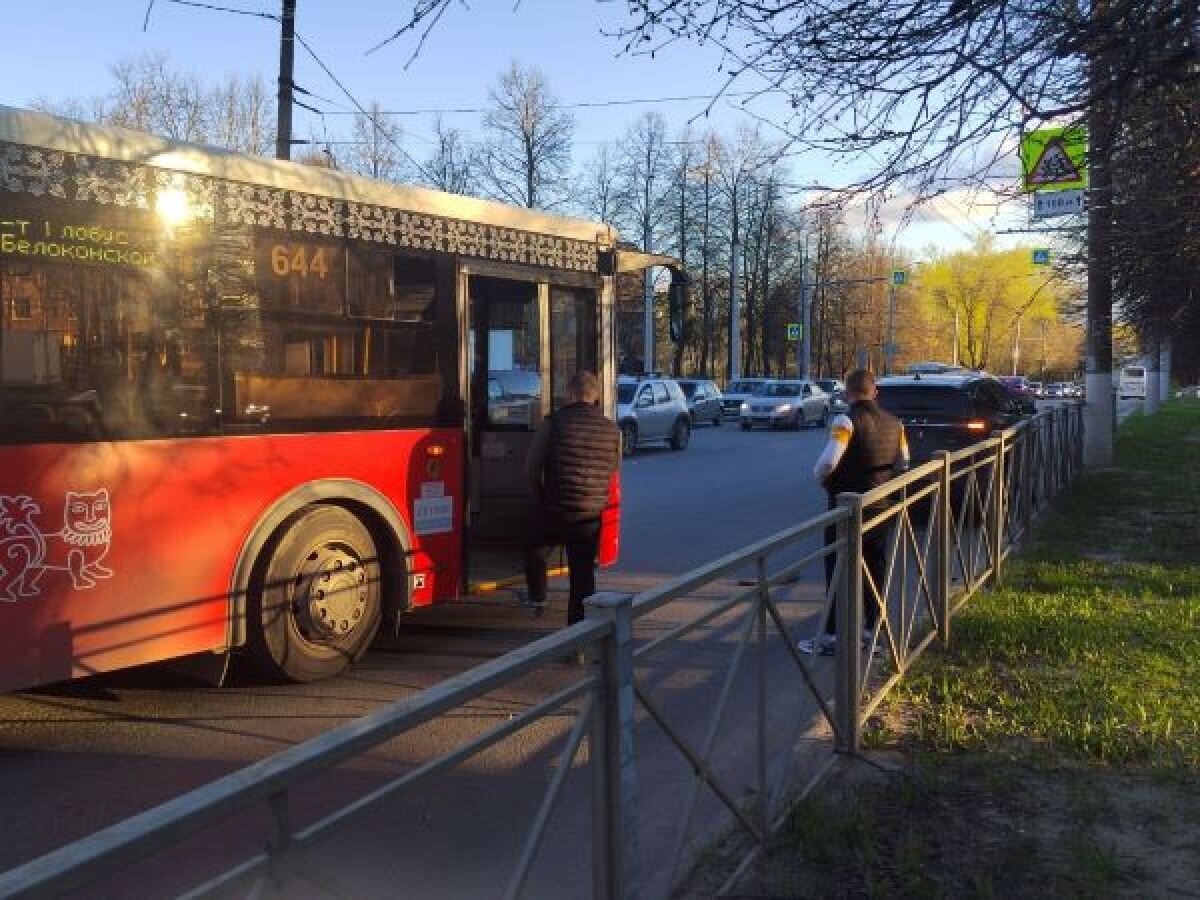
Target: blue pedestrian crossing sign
[[1041, 256], [795, 332], [899, 276]]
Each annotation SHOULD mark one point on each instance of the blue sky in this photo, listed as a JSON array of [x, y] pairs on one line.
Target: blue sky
[[67, 52]]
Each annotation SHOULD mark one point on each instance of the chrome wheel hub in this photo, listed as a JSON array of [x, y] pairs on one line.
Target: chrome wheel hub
[[331, 594]]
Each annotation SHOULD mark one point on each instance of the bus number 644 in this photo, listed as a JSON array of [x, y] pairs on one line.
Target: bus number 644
[[299, 260]]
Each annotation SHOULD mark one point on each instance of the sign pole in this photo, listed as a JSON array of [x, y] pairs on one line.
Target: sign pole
[[890, 349], [899, 277]]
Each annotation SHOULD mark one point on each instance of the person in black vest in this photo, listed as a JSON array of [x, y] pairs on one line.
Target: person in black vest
[[569, 467], [866, 448]]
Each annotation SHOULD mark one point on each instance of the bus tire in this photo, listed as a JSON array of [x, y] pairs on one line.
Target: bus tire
[[315, 598]]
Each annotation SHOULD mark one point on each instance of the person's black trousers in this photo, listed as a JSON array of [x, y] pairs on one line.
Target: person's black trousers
[[582, 540], [874, 549]]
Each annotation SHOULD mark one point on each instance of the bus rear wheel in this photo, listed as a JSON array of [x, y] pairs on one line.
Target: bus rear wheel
[[315, 600]]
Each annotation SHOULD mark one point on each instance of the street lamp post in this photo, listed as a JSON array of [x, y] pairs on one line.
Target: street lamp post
[[804, 347]]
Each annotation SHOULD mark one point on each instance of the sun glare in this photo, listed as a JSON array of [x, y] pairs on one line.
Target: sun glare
[[173, 207]]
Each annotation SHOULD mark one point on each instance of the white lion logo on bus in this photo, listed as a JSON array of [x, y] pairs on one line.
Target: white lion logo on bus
[[78, 548]]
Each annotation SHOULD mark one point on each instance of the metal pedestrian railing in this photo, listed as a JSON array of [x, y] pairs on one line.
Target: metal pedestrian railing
[[904, 558]]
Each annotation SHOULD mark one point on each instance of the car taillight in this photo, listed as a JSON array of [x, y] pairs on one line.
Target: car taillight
[[977, 425]]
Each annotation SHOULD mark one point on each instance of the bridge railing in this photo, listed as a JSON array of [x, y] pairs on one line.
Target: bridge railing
[[901, 559]]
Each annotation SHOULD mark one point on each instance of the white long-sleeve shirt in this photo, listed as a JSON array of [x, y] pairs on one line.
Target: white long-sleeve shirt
[[840, 432]]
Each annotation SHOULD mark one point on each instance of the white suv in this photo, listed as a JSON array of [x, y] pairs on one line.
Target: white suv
[[652, 408]]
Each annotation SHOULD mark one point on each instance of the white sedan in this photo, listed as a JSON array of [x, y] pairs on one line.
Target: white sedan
[[785, 404]]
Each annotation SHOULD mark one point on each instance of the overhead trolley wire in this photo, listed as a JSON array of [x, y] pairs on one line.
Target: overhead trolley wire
[[577, 104], [325, 68]]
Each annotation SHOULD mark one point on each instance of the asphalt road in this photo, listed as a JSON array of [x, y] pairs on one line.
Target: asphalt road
[[81, 756]]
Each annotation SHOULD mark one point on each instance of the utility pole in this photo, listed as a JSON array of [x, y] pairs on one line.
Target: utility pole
[[648, 321], [1153, 355], [1099, 412], [1164, 370], [287, 59], [735, 313], [954, 361], [1016, 351], [804, 347], [1042, 367]]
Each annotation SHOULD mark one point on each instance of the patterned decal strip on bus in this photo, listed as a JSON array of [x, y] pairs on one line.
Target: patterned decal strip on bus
[[106, 182]]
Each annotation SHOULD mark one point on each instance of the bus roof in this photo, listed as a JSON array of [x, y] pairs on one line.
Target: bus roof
[[37, 129]]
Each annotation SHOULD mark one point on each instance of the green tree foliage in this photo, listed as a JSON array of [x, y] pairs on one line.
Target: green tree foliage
[[997, 299]]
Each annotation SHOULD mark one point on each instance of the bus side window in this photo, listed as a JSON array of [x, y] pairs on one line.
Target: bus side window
[[372, 361]]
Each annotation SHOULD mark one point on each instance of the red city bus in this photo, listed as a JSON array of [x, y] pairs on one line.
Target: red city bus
[[254, 405]]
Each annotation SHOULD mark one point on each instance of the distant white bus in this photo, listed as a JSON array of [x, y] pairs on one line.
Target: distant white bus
[[1132, 382]]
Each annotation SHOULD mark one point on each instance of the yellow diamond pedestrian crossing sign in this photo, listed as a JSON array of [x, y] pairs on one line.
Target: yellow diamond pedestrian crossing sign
[[1054, 159]]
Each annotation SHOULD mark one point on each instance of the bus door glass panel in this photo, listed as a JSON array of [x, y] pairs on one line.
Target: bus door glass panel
[[507, 401], [573, 344]]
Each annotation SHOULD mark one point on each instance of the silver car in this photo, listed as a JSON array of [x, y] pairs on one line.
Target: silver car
[[652, 409], [738, 392], [704, 399], [785, 404], [837, 394]]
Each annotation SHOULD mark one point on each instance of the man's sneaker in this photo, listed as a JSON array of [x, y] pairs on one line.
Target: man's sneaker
[[522, 595], [825, 645]]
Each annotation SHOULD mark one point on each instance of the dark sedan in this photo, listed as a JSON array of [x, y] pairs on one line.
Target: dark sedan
[[1022, 391], [947, 412]]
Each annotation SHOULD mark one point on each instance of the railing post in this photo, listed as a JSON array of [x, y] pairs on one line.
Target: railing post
[[1045, 471], [614, 785], [848, 659], [1061, 455], [1077, 450], [943, 535], [1055, 454], [760, 640], [1026, 488], [997, 510]]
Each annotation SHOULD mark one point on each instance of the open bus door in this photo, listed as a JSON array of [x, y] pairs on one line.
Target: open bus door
[[527, 331]]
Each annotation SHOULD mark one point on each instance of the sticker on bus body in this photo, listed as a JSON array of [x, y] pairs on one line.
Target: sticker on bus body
[[433, 515]]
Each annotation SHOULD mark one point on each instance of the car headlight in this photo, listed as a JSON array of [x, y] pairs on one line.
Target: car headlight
[[784, 409], [745, 407]]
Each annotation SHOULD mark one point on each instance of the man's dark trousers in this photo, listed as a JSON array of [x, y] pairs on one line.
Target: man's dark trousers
[[874, 550], [582, 541]]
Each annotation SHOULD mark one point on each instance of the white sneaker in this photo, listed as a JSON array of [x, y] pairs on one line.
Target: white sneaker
[[825, 645]]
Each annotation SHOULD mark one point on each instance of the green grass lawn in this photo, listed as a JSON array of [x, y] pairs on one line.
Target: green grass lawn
[[1091, 645], [1052, 750]]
